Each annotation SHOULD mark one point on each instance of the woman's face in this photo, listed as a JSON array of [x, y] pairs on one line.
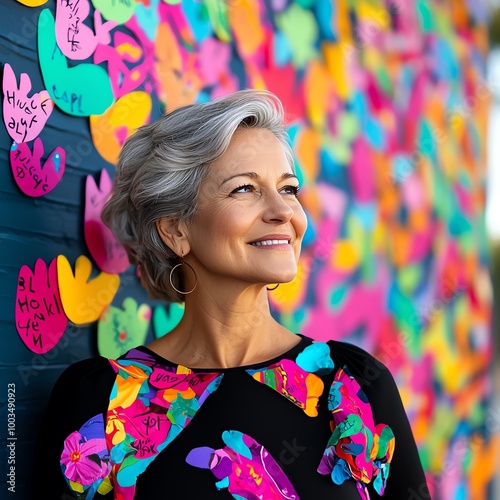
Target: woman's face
[[249, 224]]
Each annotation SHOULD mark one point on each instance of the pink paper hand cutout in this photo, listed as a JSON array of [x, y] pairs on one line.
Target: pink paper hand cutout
[[24, 116], [125, 70], [74, 38], [40, 318], [33, 177], [108, 253]]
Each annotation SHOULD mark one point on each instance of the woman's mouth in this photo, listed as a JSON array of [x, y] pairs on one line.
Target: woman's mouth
[[270, 243]]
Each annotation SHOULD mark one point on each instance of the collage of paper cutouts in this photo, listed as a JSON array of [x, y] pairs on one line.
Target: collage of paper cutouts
[[386, 108]]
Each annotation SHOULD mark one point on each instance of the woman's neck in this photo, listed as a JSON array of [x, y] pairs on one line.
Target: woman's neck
[[219, 331]]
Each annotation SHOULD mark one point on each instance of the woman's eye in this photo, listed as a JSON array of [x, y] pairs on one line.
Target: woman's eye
[[249, 188], [291, 190], [246, 188]]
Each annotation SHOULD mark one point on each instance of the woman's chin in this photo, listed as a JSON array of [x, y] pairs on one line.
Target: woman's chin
[[285, 277]]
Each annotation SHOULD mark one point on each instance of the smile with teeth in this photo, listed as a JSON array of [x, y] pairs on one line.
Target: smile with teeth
[[269, 242]]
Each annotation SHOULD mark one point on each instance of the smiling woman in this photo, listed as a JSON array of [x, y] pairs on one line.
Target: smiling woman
[[233, 223], [205, 201]]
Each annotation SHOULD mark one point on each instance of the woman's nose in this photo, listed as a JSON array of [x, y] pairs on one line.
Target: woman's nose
[[277, 209]]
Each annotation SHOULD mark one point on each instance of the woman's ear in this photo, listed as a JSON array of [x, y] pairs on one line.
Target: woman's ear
[[173, 234]]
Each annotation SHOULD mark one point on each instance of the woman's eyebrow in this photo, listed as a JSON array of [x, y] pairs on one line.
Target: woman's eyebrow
[[255, 175]]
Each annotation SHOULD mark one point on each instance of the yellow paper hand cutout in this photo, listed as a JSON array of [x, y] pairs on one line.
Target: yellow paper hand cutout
[[84, 300], [120, 120], [32, 3]]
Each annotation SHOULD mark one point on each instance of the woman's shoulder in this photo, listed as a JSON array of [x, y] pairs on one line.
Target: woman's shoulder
[[370, 373], [347, 350], [87, 372], [84, 383], [343, 352], [357, 357], [99, 369]]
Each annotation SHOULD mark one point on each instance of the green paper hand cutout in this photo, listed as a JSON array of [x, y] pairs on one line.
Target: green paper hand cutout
[[82, 90], [217, 11], [163, 321], [119, 330], [120, 12]]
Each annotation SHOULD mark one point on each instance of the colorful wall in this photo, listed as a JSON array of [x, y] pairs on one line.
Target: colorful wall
[[386, 105]]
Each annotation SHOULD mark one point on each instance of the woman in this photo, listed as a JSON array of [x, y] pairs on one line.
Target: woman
[[229, 404]]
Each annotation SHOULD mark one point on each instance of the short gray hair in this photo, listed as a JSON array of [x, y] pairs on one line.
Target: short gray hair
[[161, 167]]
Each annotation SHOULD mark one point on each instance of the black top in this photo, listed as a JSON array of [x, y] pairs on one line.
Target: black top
[[295, 440]]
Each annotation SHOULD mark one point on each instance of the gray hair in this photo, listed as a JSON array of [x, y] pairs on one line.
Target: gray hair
[[161, 167]]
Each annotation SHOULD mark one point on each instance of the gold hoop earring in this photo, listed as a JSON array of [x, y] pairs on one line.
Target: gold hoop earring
[[181, 263], [274, 288]]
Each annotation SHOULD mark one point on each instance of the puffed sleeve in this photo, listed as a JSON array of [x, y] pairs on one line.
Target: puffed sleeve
[[71, 448], [404, 477]]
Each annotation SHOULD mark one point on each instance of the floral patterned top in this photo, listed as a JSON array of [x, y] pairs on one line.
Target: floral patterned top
[[298, 426]]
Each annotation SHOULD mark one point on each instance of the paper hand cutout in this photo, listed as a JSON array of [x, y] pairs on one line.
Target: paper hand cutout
[[33, 177], [83, 90], [214, 61], [32, 3], [179, 79], [163, 321], [120, 12], [111, 129], [147, 16], [84, 299], [24, 116], [40, 319], [218, 15], [127, 61], [108, 253], [75, 39], [119, 330]]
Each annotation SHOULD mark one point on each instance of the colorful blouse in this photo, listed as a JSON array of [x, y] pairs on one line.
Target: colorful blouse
[[298, 426]]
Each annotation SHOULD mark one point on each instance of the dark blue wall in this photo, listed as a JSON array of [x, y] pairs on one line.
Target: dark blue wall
[[32, 228]]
